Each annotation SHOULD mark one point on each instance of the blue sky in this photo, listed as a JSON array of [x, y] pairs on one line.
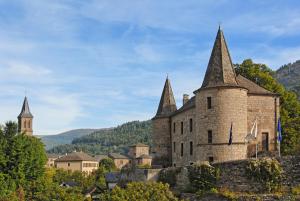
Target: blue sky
[[100, 63]]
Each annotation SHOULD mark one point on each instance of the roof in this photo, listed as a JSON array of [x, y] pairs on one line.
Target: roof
[[112, 177], [76, 156], [117, 156], [69, 183], [100, 157], [167, 103], [220, 70], [252, 87], [25, 112], [139, 145], [145, 156], [188, 105], [53, 155]]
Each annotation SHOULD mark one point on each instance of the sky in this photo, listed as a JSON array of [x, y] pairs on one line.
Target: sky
[[101, 63]]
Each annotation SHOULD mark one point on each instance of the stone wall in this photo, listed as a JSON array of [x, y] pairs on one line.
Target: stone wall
[[264, 109], [161, 139], [186, 137], [229, 106], [233, 175]]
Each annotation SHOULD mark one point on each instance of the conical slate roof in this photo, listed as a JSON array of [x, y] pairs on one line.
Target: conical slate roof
[[220, 70], [167, 103], [25, 112]]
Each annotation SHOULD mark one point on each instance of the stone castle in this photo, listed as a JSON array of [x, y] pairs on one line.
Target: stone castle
[[200, 129], [25, 119]]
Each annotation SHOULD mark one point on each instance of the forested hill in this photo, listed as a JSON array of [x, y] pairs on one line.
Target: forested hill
[[110, 140], [51, 141], [289, 76]]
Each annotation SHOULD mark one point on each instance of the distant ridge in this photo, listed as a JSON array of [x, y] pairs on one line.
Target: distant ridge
[[51, 141], [289, 76], [115, 139]]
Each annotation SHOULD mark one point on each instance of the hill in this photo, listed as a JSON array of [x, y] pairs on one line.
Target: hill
[[289, 76], [51, 141], [110, 140]]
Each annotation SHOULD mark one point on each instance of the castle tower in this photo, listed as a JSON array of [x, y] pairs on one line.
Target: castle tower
[[221, 102], [162, 128], [25, 119]]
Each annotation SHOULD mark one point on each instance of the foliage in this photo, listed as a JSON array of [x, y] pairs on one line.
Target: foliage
[[231, 196], [296, 190], [168, 176], [140, 191], [203, 177], [22, 161], [144, 166], [110, 140], [266, 171], [108, 164], [289, 105]]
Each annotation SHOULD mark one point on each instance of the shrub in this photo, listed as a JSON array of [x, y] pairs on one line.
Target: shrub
[[203, 177], [266, 171], [168, 176], [296, 190], [140, 191]]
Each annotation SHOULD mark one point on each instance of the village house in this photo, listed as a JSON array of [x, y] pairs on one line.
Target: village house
[[77, 161]]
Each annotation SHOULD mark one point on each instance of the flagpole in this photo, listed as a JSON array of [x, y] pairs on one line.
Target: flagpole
[[279, 150], [256, 147]]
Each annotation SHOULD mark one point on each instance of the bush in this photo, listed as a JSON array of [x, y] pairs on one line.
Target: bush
[[203, 177], [168, 176], [296, 190], [140, 191], [266, 171]]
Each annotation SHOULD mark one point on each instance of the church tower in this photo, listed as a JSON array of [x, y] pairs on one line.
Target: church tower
[[162, 127], [25, 119]]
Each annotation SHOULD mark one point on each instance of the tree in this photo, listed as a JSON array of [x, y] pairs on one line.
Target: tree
[[108, 164], [289, 104], [140, 191]]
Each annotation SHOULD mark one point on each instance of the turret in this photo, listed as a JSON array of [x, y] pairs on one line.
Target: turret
[[221, 102], [161, 127], [25, 119]]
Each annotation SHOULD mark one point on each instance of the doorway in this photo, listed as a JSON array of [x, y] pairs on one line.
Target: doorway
[[265, 141]]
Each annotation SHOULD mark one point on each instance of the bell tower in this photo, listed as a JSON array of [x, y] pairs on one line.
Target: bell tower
[[25, 119]]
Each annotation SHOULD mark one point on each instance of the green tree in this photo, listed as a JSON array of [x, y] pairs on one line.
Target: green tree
[[140, 191], [289, 104], [108, 164]]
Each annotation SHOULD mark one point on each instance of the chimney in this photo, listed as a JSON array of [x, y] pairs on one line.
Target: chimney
[[185, 98]]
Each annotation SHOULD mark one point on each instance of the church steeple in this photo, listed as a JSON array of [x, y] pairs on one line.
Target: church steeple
[[25, 119], [220, 70], [167, 103]]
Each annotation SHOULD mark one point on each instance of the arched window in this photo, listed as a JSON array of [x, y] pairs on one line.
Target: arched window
[[28, 124], [24, 123]]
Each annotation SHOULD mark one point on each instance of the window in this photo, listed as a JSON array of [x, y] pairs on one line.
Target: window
[[25, 124], [208, 102], [191, 125], [68, 164], [28, 124], [181, 151], [174, 127], [191, 148], [181, 127], [211, 159], [209, 136], [174, 147], [174, 164]]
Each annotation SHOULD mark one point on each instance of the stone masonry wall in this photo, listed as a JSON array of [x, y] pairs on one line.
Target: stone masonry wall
[[229, 105], [263, 108], [161, 139], [233, 175], [186, 137]]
